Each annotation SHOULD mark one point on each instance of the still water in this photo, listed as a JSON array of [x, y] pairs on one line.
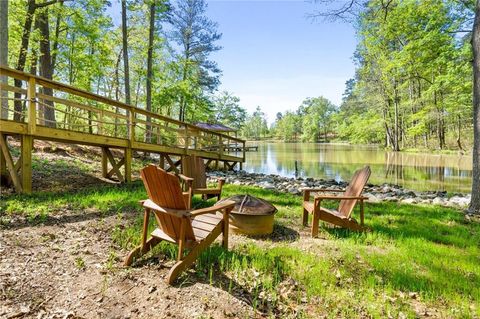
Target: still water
[[417, 171]]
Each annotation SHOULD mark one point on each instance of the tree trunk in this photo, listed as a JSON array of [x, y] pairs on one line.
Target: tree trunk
[[396, 131], [22, 58], [459, 134], [46, 68], [57, 35], [4, 55], [148, 135], [474, 207], [125, 52]]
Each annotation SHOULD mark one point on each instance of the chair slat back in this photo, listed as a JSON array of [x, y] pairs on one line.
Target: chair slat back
[[355, 188], [164, 190], [194, 167]]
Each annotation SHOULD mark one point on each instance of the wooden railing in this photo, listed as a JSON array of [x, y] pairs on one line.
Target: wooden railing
[[46, 109]]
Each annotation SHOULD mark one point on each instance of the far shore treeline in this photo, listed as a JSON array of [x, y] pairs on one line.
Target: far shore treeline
[[412, 87]]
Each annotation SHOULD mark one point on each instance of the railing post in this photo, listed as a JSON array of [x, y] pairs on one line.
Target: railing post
[[131, 144], [131, 126], [186, 139], [220, 146], [243, 150], [100, 123], [32, 106]]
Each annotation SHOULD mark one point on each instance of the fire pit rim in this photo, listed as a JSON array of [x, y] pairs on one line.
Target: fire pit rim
[[238, 211]]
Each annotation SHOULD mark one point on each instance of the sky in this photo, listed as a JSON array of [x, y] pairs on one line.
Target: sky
[[274, 57]]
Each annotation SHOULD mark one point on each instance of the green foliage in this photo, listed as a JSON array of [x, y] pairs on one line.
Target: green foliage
[[413, 75], [255, 125], [227, 110], [311, 121], [87, 53]]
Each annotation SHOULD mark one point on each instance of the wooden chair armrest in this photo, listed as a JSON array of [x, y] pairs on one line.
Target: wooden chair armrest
[[174, 212], [185, 178], [324, 190], [228, 205], [322, 197]]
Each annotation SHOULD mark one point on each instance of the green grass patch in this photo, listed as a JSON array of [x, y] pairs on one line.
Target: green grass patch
[[413, 255]]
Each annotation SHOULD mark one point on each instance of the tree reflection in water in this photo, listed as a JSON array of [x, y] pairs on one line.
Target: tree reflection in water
[[418, 171]]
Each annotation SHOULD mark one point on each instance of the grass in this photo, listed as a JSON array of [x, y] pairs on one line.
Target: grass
[[415, 257]]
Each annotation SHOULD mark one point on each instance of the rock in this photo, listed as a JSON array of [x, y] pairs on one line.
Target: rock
[[294, 191], [375, 193], [410, 201], [268, 186]]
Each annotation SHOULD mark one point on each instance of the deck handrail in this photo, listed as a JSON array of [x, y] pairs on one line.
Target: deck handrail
[[99, 98]]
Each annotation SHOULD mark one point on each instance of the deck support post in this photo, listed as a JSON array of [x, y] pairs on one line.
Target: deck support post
[[104, 163], [3, 168], [128, 165], [115, 165], [12, 167], [162, 161], [26, 163]]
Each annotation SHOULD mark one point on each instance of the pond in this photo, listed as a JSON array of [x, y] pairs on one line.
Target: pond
[[417, 171]]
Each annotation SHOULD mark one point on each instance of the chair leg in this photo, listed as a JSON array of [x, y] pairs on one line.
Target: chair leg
[[190, 258], [315, 223], [141, 250], [305, 217]]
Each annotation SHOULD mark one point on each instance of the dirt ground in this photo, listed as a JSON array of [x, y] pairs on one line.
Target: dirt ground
[[68, 266], [65, 269]]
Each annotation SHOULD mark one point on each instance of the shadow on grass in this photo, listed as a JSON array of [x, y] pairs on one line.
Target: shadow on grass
[[281, 233], [261, 274], [439, 225], [53, 208]]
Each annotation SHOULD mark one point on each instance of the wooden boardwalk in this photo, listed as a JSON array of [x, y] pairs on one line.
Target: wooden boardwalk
[[81, 117]]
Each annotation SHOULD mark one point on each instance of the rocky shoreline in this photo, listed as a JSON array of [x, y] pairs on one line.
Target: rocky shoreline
[[375, 193]]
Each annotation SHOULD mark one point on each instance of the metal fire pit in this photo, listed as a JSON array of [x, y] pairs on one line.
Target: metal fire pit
[[251, 215]]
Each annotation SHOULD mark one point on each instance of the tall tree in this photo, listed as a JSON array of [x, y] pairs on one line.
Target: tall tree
[[46, 66], [227, 110], [151, 36], [4, 54], [126, 67], [475, 201], [196, 34]]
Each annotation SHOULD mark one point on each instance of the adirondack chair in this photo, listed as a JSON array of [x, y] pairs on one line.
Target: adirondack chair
[[189, 229], [342, 216], [194, 167]]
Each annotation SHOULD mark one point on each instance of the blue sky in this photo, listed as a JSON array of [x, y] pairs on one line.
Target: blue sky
[[274, 57]]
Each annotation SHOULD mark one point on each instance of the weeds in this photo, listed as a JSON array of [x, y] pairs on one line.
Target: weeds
[[414, 255]]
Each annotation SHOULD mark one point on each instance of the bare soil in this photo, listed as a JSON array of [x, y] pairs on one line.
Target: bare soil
[[69, 267]]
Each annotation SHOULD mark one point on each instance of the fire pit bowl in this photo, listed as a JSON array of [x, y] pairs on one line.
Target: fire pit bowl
[[251, 215]]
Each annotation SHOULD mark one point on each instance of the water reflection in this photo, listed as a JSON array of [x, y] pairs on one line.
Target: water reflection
[[419, 171]]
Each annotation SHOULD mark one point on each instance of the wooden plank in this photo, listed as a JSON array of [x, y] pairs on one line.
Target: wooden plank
[[80, 105], [11, 88], [9, 163], [26, 167], [115, 166], [12, 127], [32, 106], [65, 136]]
